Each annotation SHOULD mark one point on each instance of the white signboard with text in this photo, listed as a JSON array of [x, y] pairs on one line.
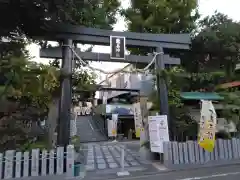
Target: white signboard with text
[[158, 132], [137, 118]]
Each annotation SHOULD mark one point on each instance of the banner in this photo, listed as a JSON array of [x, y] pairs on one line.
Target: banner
[[105, 97], [137, 118], [112, 125], [158, 132], [207, 129], [115, 122]]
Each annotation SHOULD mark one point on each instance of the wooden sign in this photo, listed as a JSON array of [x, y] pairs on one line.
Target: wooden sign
[[117, 47]]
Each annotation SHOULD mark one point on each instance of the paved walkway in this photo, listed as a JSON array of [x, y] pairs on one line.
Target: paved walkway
[[101, 157], [104, 158], [87, 130]]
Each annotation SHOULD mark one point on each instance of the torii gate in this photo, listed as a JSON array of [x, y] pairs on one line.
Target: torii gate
[[71, 34]]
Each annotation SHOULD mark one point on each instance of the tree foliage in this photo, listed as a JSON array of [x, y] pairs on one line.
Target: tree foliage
[[27, 88], [182, 125], [24, 16], [162, 16], [216, 46], [232, 106]]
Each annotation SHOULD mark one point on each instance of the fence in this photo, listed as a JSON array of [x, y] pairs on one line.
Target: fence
[[36, 163], [190, 155]]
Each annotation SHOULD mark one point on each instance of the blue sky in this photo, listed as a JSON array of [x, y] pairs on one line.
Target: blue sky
[[206, 7]]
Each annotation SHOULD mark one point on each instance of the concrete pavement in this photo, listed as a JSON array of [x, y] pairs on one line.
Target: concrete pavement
[[214, 173], [102, 157], [87, 130]]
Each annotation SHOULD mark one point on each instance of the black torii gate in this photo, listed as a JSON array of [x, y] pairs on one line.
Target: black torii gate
[[71, 34]]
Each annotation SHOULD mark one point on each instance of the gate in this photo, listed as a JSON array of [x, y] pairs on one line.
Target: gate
[[118, 42]]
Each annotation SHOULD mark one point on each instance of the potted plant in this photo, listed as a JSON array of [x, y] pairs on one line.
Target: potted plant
[[145, 151], [75, 141]]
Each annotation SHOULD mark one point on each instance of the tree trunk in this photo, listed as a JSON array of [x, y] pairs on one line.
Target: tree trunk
[[145, 150], [144, 111], [52, 122]]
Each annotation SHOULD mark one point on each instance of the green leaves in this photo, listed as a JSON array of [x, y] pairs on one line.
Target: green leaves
[[216, 46], [30, 16], [161, 16]]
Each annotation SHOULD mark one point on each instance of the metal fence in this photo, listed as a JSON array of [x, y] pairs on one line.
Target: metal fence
[[37, 163], [180, 155]]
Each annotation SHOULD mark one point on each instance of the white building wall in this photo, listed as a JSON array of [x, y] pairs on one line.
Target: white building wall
[[130, 81]]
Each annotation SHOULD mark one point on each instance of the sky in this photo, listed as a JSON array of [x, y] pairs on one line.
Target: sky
[[206, 7]]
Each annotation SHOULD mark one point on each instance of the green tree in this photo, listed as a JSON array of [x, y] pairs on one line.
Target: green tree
[[182, 125], [216, 46], [29, 92], [29, 16], [231, 107], [32, 89], [162, 16], [24, 100]]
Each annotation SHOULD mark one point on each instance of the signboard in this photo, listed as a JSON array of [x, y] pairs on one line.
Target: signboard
[[115, 122], [105, 97], [117, 47], [110, 127], [137, 118], [207, 129], [120, 109], [158, 132]]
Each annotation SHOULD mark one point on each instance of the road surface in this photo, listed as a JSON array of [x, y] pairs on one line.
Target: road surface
[[214, 173], [87, 130]]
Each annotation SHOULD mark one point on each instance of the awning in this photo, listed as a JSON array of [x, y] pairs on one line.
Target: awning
[[229, 85], [200, 96]]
